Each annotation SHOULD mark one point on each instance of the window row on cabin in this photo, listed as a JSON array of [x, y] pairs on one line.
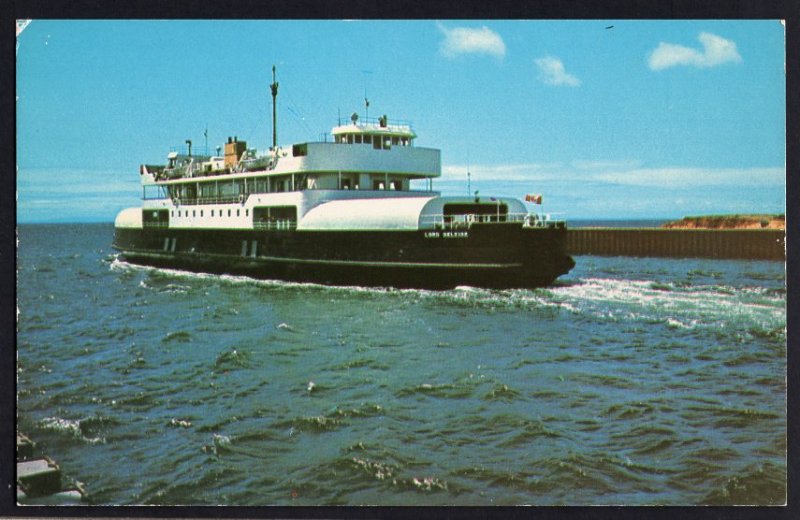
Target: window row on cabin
[[211, 190], [375, 140], [240, 187], [185, 213], [208, 190]]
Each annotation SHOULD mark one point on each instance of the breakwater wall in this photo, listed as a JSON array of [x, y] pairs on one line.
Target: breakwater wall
[[753, 244]]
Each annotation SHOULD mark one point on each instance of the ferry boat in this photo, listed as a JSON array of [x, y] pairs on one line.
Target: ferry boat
[[339, 211]]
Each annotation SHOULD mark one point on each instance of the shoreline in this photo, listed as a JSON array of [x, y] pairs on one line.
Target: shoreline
[[735, 221]]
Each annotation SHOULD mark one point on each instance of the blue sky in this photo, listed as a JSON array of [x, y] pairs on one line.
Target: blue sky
[[647, 119]]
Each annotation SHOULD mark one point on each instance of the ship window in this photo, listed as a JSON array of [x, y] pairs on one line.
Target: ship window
[[378, 185], [377, 143], [267, 216], [201, 212], [395, 140], [212, 212], [225, 190], [229, 213], [194, 213], [350, 139], [485, 211], [207, 190], [172, 213], [237, 212], [247, 213], [345, 184], [358, 139]]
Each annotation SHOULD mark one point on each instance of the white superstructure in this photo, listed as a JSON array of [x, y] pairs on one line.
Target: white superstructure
[[369, 163]]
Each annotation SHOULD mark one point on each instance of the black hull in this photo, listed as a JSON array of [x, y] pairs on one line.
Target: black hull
[[487, 255]]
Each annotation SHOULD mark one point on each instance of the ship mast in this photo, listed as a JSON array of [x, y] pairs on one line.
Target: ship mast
[[274, 88]]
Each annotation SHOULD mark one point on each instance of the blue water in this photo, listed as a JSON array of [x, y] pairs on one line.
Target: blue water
[[631, 381]]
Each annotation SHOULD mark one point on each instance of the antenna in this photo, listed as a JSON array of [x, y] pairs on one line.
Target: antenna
[[205, 134], [364, 74], [274, 88]]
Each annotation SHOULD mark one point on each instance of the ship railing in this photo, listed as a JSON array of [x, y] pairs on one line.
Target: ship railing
[[546, 220], [270, 225], [220, 199], [441, 221], [389, 123]]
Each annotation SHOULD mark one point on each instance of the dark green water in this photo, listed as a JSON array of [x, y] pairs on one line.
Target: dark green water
[[632, 381]]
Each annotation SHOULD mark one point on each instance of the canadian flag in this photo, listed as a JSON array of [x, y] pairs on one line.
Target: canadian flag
[[536, 199]]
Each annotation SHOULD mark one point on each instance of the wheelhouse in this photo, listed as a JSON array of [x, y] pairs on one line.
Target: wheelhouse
[[378, 134]]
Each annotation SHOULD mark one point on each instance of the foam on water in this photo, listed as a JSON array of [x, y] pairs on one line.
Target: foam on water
[[680, 306], [73, 427]]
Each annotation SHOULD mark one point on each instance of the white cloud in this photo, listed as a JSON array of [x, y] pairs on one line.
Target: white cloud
[[466, 40], [74, 195], [505, 172], [693, 177], [552, 72], [626, 164], [623, 189], [716, 51], [77, 181], [623, 172]]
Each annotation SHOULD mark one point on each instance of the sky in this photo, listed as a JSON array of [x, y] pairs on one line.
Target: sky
[[607, 119]]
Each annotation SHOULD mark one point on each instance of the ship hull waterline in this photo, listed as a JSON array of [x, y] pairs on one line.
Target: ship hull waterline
[[488, 256]]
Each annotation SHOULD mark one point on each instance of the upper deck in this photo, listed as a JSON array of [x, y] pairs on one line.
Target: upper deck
[[372, 147]]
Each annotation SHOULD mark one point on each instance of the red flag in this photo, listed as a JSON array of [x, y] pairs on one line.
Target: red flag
[[536, 199]]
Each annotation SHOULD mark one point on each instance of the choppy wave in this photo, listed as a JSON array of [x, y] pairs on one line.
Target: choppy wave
[[629, 381], [88, 430]]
